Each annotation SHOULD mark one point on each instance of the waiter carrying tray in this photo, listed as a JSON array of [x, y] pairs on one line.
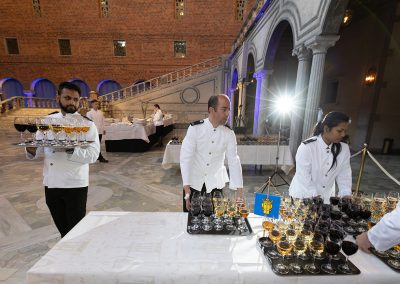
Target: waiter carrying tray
[[203, 152], [66, 171]]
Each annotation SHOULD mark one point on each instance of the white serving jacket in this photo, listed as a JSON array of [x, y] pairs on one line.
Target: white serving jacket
[[202, 157], [386, 233], [62, 170], [98, 118], [158, 118], [313, 177]]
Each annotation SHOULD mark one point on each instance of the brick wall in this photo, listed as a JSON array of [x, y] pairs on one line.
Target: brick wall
[[149, 28]]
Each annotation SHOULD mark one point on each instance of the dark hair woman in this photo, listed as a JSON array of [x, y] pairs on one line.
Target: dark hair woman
[[323, 159], [159, 123]]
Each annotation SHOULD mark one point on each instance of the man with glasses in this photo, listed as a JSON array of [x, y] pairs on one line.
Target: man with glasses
[[203, 152]]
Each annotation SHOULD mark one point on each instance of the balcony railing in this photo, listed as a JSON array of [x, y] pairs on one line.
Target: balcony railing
[[19, 102], [163, 80]]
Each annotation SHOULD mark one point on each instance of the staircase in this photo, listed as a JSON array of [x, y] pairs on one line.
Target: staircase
[[167, 80]]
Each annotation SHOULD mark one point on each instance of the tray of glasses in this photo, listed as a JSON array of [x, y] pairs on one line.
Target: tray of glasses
[[51, 143], [239, 226], [388, 258], [275, 260]]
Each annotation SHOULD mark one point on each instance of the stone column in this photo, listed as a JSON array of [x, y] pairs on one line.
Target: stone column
[[297, 115], [319, 46], [230, 95], [259, 104]]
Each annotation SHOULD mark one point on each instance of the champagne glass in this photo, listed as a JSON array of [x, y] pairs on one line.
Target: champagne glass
[[219, 211], [244, 212], [274, 236], [332, 247], [395, 254], [43, 127], [207, 208], [69, 129], [284, 247], [307, 235], [85, 129], [299, 248], [268, 226], [349, 247], [56, 127], [195, 210], [316, 248], [392, 199], [231, 211], [21, 124]]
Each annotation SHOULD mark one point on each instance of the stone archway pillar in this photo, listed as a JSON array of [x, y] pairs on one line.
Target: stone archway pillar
[[231, 91], [260, 101], [319, 46], [297, 116]]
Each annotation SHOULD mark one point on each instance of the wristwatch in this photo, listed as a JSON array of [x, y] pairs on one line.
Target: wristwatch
[[187, 196]]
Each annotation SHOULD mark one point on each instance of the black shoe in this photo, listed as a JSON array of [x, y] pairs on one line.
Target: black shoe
[[102, 160]]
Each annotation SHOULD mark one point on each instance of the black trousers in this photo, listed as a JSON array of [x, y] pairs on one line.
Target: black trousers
[[67, 206], [203, 192], [100, 155], [159, 133]]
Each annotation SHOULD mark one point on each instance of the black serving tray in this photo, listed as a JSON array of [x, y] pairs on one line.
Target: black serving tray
[[224, 231], [384, 259], [318, 263]]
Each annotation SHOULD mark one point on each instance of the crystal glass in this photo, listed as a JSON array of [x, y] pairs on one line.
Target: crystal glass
[[332, 247], [316, 247], [21, 124], [32, 128], [299, 248], [284, 247], [349, 247]]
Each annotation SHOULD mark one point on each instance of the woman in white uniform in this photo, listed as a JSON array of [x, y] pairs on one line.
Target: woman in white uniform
[[323, 159]]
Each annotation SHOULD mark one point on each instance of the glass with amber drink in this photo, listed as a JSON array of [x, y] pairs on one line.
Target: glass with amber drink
[[316, 247], [284, 247]]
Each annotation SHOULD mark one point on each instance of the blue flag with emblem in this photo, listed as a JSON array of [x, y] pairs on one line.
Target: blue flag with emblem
[[267, 205]]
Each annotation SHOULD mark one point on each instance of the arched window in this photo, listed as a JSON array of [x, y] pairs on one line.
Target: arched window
[[11, 87], [108, 86], [82, 85], [43, 88]]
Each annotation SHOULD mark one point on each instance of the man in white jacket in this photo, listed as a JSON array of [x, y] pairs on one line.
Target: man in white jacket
[[97, 116], [203, 152], [66, 171]]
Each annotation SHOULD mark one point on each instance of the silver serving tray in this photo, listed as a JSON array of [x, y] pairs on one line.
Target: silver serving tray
[[51, 143]]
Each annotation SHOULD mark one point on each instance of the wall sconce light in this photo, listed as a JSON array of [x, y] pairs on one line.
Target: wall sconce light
[[370, 77], [348, 15]]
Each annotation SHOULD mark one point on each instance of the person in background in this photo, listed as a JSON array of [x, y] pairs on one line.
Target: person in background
[[97, 116], [66, 171], [384, 235], [203, 152], [159, 124], [323, 159]]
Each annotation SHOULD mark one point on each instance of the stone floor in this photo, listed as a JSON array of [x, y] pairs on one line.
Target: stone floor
[[129, 182]]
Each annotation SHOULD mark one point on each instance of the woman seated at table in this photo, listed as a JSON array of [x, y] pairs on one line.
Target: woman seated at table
[[159, 124], [323, 159]]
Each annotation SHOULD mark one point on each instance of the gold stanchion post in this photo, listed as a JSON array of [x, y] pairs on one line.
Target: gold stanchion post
[[360, 173]]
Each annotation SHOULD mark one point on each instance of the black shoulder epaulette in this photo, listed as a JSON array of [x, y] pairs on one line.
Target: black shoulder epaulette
[[54, 112], [226, 125], [309, 140], [197, 122], [86, 117]]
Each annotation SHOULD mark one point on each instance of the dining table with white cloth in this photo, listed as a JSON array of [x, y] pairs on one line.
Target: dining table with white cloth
[[248, 154], [122, 130], [154, 247]]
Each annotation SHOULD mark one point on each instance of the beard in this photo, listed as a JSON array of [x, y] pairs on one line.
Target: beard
[[69, 108]]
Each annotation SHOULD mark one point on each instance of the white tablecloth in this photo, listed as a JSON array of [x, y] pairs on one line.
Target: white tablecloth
[[249, 155], [120, 131], [133, 247]]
